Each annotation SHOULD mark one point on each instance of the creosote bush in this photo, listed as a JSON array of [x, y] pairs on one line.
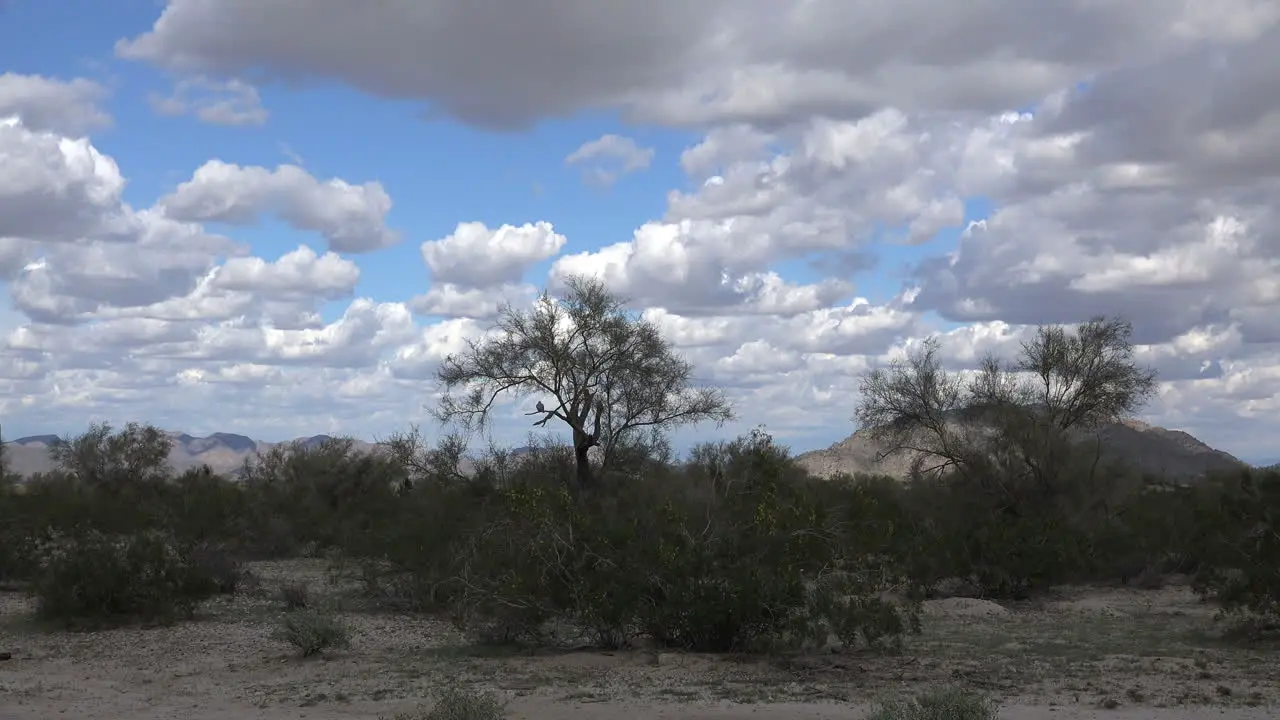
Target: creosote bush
[[226, 572], [313, 632], [96, 579], [453, 703], [1238, 540], [942, 704]]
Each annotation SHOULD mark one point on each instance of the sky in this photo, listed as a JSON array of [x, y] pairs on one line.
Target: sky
[[276, 218]]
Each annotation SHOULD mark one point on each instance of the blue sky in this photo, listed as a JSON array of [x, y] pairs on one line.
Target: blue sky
[[439, 172], [460, 121]]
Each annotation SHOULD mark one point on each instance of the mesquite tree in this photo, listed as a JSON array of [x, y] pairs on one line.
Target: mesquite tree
[[1013, 425], [606, 373]]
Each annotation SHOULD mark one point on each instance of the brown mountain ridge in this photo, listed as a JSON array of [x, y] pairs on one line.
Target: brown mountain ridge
[[1173, 455], [222, 452]]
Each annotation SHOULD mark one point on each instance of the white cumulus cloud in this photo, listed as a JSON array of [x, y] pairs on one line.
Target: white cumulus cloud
[[351, 218], [476, 256]]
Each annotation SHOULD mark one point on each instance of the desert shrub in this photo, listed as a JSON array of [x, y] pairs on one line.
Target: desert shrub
[[57, 500], [215, 562], [324, 494], [313, 632], [1239, 538], [197, 509], [95, 578], [408, 558], [1152, 535], [1022, 537], [204, 507], [24, 551], [457, 704], [111, 461], [721, 556], [845, 607], [947, 704], [295, 595], [513, 572]]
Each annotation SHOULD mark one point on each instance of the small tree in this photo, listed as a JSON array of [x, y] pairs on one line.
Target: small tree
[[113, 461], [609, 375], [1008, 424]]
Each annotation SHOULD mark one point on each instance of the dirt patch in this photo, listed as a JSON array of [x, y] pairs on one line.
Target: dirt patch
[[1144, 651], [958, 607]]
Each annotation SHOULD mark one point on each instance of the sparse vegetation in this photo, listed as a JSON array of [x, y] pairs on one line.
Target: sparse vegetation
[[295, 595], [944, 704], [313, 632], [453, 703], [100, 579]]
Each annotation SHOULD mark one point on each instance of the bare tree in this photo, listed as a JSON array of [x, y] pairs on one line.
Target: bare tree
[[1008, 423], [607, 374]]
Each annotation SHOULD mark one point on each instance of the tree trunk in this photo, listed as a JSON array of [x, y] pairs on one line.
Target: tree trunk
[[583, 475], [581, 449]]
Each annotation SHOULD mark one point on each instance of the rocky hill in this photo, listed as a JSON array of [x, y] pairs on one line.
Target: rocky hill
[[1171, 454]]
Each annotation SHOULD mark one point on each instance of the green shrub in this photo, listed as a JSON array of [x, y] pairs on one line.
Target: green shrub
[[21, 550], [327, 494], [737, 549], [724, 562], [1239, 539], [112, 462], [95, 578], [949, 704], [313, 632], [457, 704]]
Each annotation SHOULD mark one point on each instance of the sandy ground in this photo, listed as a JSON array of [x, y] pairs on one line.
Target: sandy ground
[[1084, 653]]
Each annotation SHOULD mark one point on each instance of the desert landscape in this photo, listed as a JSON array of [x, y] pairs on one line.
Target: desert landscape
[[1059, 559], [329, 578], [1078, 652], [622, 360]]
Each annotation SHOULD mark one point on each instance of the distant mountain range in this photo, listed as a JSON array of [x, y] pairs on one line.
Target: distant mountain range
[[222, 452], [1171, 454]]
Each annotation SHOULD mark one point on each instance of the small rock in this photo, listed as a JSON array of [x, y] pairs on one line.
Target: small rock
[[6, 656]]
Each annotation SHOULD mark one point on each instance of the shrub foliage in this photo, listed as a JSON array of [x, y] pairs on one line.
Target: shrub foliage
[[101, 579]]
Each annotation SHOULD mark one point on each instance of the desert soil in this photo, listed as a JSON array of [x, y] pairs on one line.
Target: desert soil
[[1083, 653]]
